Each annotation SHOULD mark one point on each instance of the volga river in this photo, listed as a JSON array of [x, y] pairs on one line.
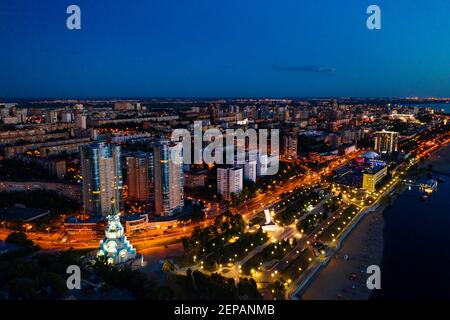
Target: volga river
[[437, 106], [416, 256]]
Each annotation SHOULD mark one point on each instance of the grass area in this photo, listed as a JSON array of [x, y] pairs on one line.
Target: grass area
[[310, 222], [223, 242], [298, 265], [274, 251], [183, 261], [296, 204], [336, 227], [232, 252]]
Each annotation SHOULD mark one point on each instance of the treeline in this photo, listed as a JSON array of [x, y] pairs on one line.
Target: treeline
[[18, 169], [43, 199], [221, 243], [199, 286], [25, 275]]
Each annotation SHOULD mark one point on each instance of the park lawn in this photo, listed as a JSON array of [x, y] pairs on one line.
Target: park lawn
[[274, 251], [298, 265], [338, 225]]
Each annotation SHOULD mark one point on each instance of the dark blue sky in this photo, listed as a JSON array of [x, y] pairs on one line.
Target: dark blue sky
[[213, 48]]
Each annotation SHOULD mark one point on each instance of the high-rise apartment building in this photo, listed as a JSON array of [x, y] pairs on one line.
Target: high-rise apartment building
[[290, 146], [250, 170], [168, 170], [80, 121], [140, 174], [102, 177], [51, 116], [229, 181]]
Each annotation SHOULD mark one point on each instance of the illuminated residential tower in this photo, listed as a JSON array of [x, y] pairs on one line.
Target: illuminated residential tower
[[102, 177], [168, 170], [140, 178], [229, 182]]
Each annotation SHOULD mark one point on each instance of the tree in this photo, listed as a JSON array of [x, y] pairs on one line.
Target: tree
[[135, 282], [165, 293], [20, 239], [22, 288], [278, 290], [247, 289], [56, 282]]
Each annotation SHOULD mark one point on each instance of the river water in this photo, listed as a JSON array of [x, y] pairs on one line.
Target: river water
[[416, 254], [437, 106]]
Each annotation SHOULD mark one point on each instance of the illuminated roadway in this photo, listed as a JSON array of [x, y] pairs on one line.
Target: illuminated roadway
[[158, 238]]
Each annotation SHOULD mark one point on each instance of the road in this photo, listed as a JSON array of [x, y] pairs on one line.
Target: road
[[256, 205], [153, 239], [424, 148]]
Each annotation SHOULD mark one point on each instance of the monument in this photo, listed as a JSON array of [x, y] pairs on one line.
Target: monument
[[269, 225]]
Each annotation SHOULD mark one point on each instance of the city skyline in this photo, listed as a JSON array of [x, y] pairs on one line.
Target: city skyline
[[102, 177], [244, 151]]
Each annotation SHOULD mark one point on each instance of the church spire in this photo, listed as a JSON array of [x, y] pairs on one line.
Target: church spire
[[115, 245], [113, 209]]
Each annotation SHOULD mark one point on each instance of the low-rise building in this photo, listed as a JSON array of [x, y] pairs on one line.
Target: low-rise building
[[88, 228], [372, 177], [135, 222]]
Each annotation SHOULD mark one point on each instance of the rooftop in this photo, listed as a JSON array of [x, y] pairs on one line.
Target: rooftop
[[370, 155], [93, 219], [374, 169], [22, 213]]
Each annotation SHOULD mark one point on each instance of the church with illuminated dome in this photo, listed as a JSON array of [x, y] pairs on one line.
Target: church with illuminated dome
[[115, 245]]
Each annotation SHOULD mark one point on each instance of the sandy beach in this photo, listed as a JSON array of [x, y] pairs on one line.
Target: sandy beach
[[346, 279]]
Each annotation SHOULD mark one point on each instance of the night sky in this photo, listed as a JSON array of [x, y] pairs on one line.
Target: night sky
[[226, 48]]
